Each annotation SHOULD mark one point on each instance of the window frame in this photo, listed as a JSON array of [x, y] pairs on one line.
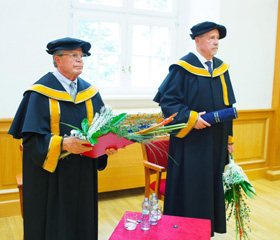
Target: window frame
[[126, 16], [126, 8]]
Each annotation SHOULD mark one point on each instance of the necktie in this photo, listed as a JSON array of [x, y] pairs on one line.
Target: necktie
[[209, 65], [73, 90]]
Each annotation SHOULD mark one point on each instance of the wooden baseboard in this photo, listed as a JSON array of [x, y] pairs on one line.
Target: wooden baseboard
[[273, 175], [9, 208], [256, 174]]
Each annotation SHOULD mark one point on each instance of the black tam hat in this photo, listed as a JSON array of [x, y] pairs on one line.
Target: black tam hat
[[68, 44], [204, 27]]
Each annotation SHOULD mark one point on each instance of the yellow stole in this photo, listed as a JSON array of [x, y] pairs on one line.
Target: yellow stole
[[55, 144]]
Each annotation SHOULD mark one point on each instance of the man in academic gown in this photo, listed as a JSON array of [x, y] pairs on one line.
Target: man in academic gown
[[194, 187], [59, 195]]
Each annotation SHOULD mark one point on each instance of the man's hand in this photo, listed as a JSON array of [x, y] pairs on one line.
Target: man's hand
[[230, 148], [200, 124], [75, 145], [111, 151]]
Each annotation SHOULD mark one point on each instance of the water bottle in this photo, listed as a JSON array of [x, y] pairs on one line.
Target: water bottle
[[145, 218], [153, 209]]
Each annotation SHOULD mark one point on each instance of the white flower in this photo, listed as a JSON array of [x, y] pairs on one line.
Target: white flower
[[76, 133], [233, 174], [99, 120]]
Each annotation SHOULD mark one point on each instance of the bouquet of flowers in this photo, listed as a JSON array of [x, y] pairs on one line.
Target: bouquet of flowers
[[235, 180], [105, 122]]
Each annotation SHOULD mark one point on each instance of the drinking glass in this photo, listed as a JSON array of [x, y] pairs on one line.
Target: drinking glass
[[130, 220]]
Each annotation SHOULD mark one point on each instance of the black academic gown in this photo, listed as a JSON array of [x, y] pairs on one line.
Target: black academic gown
[[194, 187], [59, 195]]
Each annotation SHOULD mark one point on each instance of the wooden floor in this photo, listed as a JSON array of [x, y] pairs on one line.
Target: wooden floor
[[265, 213]]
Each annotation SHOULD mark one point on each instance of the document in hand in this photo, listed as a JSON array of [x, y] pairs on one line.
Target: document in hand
[[220, 116]]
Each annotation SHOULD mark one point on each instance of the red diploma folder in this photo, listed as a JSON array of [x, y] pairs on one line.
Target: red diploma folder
[[109, 140]]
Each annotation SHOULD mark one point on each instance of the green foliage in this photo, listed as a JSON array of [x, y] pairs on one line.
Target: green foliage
[[121, 126], [85, 125], [76, 128], [248, 189], [237, 188], [111, 126], [235, 202]]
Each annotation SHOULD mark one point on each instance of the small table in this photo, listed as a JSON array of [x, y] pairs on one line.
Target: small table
[[187, 229]]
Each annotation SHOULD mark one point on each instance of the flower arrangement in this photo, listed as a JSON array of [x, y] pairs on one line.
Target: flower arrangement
[[141, 130], [235, 180]]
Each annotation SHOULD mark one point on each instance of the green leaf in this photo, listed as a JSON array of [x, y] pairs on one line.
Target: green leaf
[[114, 130], [118, 119], [247, 189], [98, 134], [229, 195], [76, 128], [84, 124], [93, 141]]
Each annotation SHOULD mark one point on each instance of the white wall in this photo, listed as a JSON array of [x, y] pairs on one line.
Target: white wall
[[249, 49], [27, 26], [192, 12]]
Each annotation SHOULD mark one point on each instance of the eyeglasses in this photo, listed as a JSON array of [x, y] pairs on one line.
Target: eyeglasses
[[74, 56]]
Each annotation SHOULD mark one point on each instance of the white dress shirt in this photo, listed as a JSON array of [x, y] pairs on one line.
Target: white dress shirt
[[203, 60], [64, 81]]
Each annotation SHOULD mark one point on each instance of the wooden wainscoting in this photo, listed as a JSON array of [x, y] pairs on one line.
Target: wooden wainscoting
[[10, 165], [252, 133], [124, 170]]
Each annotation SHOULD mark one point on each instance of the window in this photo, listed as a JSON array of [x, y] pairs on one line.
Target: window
[[116, 3], [132, 44], [154, 5]]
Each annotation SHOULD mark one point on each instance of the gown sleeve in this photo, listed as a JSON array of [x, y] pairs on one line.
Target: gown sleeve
[[171, 96], [43, 150]]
